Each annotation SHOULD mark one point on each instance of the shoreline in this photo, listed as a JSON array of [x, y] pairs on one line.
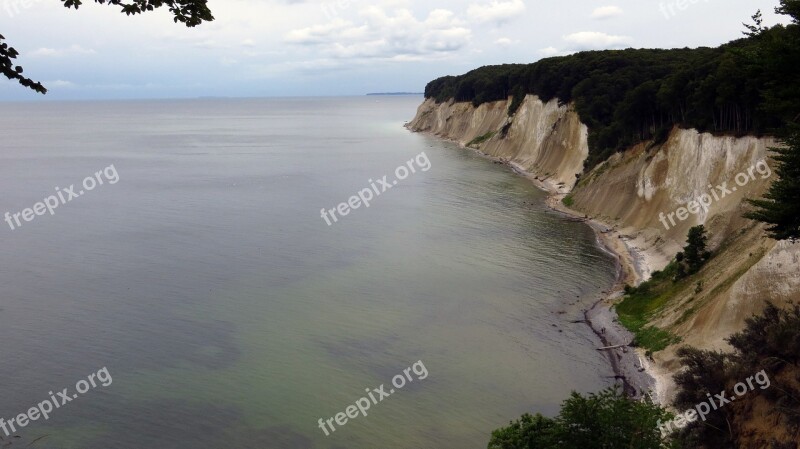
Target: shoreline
[[629, 365]]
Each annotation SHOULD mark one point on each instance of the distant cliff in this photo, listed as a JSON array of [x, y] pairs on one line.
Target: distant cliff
[[543, 138]]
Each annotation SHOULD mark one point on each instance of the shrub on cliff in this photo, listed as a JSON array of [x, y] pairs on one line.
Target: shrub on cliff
[[694, 254], [768, 418]]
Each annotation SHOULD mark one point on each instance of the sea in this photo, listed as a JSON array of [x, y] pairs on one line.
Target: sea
[[192, 293]]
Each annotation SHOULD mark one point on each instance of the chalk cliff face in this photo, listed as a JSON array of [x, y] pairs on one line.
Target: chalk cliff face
[[544, 139], [643, 190], [636, 191]]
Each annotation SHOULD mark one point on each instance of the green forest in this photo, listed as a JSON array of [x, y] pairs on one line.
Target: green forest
[[747, 86]]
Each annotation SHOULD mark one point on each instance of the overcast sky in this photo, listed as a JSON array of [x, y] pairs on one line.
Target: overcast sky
[[333, 47]]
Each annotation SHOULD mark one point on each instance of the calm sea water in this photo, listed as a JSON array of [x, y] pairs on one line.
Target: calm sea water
[[229, 315]]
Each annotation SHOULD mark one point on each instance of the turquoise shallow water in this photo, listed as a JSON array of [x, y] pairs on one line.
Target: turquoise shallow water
[[230, 315]]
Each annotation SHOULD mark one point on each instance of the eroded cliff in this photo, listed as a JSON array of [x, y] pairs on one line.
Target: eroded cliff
[[544, 139]]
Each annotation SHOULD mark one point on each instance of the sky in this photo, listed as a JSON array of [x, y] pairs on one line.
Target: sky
[[261, 48]]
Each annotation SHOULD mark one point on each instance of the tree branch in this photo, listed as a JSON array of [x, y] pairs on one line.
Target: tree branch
[[189, 12]]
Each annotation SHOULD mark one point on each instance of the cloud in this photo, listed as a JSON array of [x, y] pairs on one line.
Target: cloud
[[399, 36], [496, 11], [606, 12], [228, 61], [505, 42], [593, 40], [207, 44], [317, 34], [44, 52], [60, 83], [53, 52], [549, 51]]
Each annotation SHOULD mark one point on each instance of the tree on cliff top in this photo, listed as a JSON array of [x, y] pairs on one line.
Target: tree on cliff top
[[780, 207], [189, 12]]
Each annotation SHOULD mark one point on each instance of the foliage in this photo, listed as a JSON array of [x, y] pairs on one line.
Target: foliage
[[774, 336], [790, 8], [780, 207], [604, 420], [641, 302], [628, 96], [568, 200], [769, 342], [14, 72], [517, 97], [528, 432], [480, 139], [651, 338], [189, 12], [756, 28], [694, 254]]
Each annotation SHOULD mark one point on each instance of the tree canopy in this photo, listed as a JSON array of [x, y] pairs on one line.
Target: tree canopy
[[189, 12], [605, 420], [748, 86], [780, 207], [694, 254]]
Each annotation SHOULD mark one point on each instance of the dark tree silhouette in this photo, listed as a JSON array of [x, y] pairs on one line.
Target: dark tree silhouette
[[780, 206], [189, 12]]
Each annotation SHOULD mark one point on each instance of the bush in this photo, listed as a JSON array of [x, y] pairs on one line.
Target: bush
[[605, 420], [769, 342]]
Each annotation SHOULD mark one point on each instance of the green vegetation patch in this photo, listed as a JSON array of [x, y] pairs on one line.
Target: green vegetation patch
[[480, 139], [640, 303], [652, 338]]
